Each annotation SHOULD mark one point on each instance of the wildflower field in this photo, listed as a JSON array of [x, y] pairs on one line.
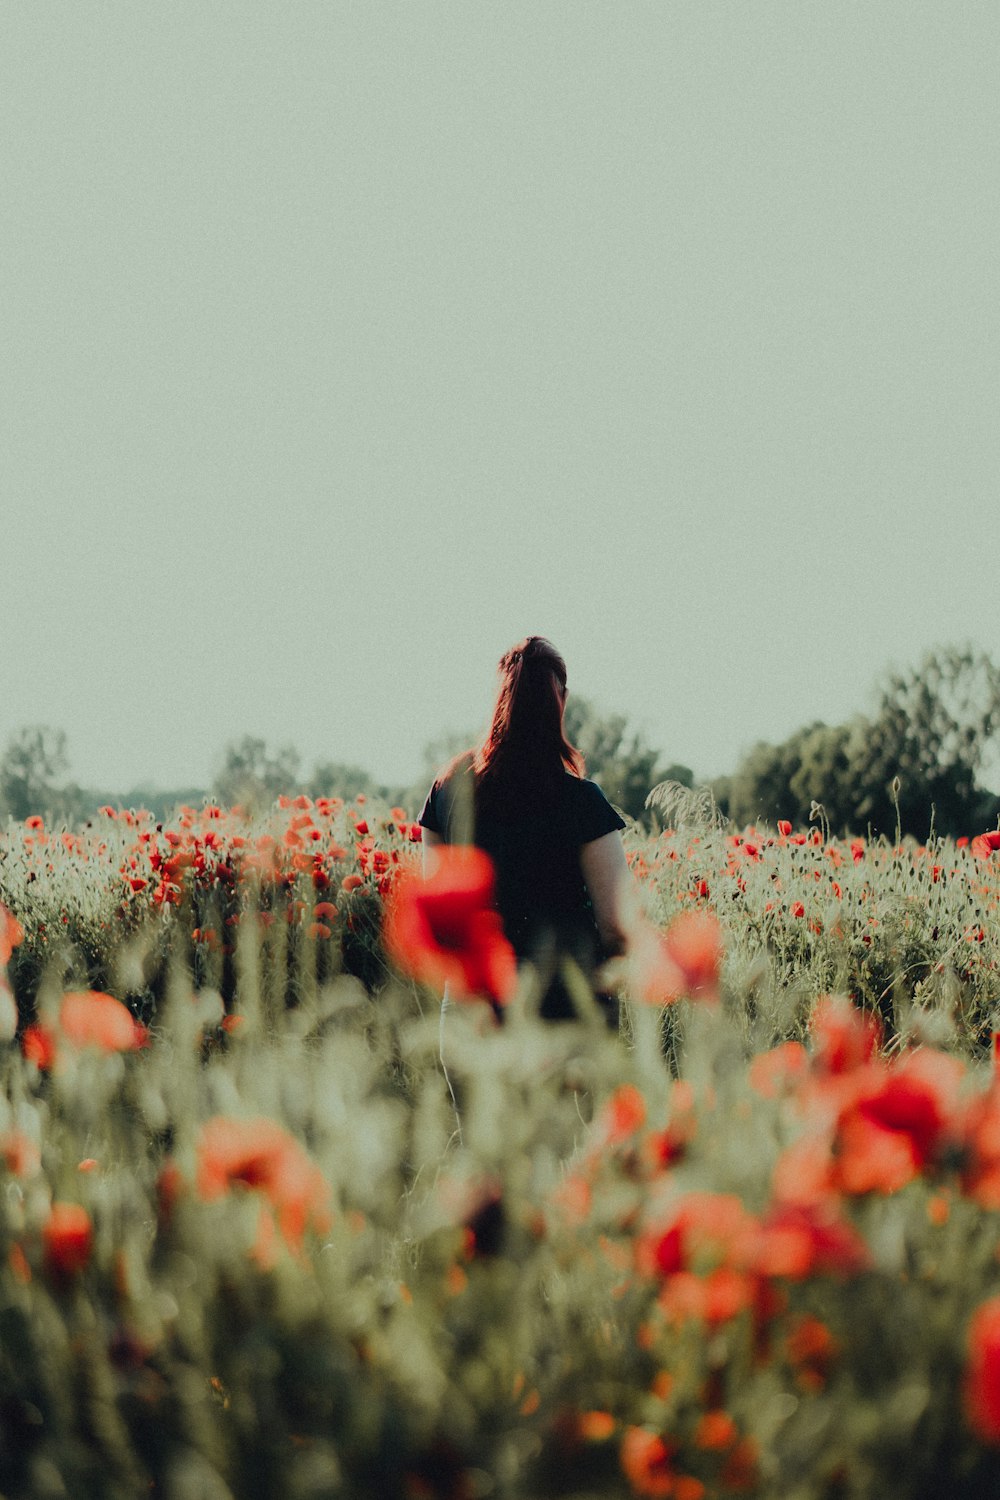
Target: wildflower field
[[256, 1240]]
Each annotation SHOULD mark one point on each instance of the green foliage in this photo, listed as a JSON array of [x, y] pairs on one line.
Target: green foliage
[[932, 730], [814, 765], [625, 767], [916, 762]]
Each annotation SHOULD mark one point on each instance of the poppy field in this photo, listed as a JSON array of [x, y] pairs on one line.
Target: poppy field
[[266, 1229]]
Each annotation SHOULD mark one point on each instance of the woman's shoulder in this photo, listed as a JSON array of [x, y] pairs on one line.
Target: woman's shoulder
[[596, 814], [458, 767]]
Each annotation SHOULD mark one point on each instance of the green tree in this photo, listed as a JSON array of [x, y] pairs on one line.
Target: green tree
[[924, 751], [33, 769], [252, 776], [624, 765], [933, 733]]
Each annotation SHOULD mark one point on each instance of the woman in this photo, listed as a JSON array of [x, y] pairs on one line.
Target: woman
[[554, 838]]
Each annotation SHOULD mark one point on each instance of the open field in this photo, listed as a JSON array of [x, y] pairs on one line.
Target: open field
[[251, 1245]]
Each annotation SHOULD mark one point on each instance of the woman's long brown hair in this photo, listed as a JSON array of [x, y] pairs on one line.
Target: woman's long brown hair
[[525, 751]]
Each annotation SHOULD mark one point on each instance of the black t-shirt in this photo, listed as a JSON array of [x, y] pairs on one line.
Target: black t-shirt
[[535, 847]]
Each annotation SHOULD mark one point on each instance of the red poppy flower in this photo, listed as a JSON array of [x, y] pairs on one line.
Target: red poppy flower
[[39, 1046], [67, 1237], [445, 929], [982, 1375], [645, 1461], [893, 1122], [811, 1348], [700, 1230], [843, 1036], [259, 1154], [694, 942], [800, 1240]]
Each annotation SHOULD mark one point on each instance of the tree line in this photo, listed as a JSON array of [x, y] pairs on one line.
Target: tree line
[[915, 766]]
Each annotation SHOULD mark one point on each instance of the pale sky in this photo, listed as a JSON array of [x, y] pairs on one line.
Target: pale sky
[[345, 344]]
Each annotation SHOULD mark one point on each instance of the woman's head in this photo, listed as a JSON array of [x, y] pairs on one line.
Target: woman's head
[[526, 744]]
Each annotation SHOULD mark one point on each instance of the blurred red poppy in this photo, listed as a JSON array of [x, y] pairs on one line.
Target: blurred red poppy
[[645, 1461], [894, 1124], [260, 1154], [843, 1036], [683, 961], [39, 1046], [694, 942], [799, 1240], [20, 1153], [445, 929], [67, 1236], [982, 1376], [91, 1019], [778, 1070]]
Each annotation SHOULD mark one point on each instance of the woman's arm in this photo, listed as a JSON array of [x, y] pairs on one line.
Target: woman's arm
[[428, 840], [605, 871]]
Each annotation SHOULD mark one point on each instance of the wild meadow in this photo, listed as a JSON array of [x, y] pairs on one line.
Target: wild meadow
[[258, 1238]]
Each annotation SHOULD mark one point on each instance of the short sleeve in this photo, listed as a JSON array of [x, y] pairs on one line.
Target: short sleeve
[[429, 815], [594, 814]]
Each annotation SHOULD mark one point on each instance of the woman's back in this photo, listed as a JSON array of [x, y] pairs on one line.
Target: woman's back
[[534, 836]]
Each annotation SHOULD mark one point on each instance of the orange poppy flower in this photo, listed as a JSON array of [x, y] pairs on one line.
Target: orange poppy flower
[[11, 933], [445, 929], [20, 1153], [8, 1013], [694, 942], [778, 1070], [685, 960], [715, 1430], [699, 1231], [89, 1018], [621, 1116]]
